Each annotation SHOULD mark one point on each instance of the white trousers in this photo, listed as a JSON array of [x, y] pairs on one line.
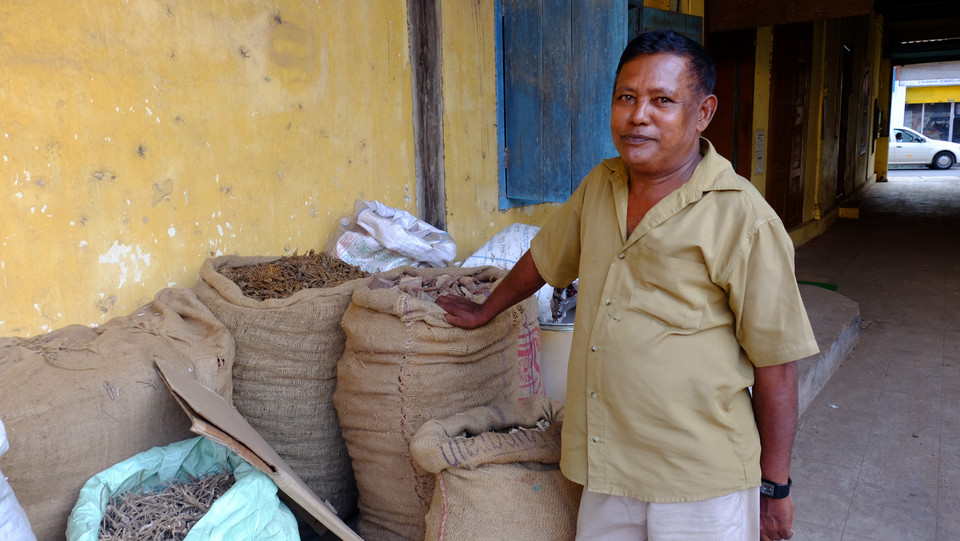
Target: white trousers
[[734, 517]]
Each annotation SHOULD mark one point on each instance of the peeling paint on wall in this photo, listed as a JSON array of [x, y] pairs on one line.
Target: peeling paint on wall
[[245, 109], [120, 255]]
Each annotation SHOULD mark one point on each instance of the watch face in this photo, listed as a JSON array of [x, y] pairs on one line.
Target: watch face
[[773, 490]]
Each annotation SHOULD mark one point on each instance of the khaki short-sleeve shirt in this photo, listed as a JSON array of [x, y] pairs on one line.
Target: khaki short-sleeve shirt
[[669, 326]]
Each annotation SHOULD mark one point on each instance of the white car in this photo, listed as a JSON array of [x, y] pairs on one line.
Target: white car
[[908, 147]]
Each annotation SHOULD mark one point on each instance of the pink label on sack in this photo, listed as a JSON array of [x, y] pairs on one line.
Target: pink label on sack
[[528, 361]]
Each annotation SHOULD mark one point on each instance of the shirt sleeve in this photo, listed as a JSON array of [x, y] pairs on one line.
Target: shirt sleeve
[[771, 321], [556, 248]]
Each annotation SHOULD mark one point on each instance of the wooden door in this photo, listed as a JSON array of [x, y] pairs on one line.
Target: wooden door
[[731, 130]]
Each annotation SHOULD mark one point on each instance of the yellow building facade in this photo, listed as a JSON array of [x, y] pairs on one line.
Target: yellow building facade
[[139, 138]]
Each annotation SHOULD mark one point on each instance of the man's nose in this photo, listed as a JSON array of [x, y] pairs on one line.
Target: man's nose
[[639, 114]]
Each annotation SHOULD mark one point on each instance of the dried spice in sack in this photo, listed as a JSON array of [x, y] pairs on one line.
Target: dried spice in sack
[[165, 515], [287, 350], [428, 288], [286, 275]]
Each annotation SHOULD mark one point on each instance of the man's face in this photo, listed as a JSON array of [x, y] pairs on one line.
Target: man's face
[[658, 114]]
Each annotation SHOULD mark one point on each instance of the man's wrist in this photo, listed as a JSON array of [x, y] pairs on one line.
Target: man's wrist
[[486, 312], [776, 491]]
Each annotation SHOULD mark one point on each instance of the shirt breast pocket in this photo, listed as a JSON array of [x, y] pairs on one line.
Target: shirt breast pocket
[[675, 292]]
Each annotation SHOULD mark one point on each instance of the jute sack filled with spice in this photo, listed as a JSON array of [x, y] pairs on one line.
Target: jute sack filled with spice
[[285, 372], [79, 399], [403, 365], [498, 474]]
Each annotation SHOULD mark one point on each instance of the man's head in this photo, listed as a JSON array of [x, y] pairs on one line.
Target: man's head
[[662, 102], [668, 41]]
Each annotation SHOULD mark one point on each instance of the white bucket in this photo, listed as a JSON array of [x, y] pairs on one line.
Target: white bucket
[[555, 340]]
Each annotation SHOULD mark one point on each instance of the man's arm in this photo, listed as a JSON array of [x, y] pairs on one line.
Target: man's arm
[[522, 281], [775, 408]]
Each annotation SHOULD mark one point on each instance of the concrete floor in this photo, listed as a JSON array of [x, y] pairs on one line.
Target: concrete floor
[[877, 454]]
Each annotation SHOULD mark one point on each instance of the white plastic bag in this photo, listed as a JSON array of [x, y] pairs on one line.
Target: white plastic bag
[[380, 238], [14, 525], [504, 249]]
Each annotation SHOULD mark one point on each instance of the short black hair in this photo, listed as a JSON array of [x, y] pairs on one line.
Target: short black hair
[[668, 41]]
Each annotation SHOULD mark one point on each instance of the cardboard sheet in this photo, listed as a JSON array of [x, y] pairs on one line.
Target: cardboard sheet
[[217, 420]]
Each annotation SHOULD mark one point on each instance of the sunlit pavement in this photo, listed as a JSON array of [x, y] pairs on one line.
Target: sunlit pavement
[[877, 454]]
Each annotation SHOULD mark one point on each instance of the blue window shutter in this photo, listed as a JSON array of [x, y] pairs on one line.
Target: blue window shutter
[[559, 59], [556, 95], [535, 101], [601, 35]]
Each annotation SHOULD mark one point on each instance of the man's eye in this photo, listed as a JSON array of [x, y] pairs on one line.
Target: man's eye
[[624, 97], [663, 100]]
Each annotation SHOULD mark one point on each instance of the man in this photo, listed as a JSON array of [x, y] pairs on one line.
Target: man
[[686, 299]]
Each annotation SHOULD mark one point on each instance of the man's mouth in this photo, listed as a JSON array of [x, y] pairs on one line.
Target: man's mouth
[[635, 139]]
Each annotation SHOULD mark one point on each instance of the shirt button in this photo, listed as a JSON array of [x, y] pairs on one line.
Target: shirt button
[[593, 395], [621, 256], [596, 439], [607, 301], [593, 348]]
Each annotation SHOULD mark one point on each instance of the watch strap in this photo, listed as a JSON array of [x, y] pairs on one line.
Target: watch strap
[[774, 490]]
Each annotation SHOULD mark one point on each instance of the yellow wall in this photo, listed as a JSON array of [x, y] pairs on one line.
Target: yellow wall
[[879, 92], [692, 7], [884, 92], [823, 61], [139, 138], [761, 108], [657, 4]]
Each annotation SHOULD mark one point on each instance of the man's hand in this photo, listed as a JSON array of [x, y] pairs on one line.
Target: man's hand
[[462, 312], [522, 281], [776, 518]]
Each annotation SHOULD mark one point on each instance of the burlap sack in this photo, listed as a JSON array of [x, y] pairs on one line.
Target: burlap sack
[[494, 483], [285, 374], [80, 399], [403, 365]]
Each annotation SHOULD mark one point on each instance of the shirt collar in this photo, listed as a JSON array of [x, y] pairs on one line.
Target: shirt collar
[[707, 177]]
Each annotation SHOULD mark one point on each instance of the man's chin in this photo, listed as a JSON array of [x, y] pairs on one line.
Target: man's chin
[[640, 160]]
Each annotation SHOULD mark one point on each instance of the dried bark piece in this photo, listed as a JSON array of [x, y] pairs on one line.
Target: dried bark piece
[[428, 288], [411, 285], [378, 282]]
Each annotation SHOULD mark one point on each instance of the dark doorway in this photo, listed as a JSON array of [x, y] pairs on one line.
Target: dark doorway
[[731, 130], [789, 99]]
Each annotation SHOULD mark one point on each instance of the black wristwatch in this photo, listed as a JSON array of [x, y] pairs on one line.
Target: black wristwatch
[[773, 490]]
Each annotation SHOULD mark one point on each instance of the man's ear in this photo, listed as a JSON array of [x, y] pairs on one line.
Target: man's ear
[[707, 108]]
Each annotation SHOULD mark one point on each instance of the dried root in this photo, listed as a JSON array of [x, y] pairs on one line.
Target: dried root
[[282, 278], [165, 515]]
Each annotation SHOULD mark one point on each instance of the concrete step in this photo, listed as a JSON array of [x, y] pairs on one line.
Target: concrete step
[[837, 325]]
